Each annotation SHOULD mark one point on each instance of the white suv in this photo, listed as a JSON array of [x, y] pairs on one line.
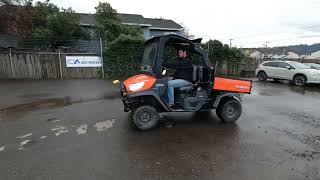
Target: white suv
[[298, 73]]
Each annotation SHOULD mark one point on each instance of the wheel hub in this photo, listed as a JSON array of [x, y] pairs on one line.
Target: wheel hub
[[299, 80], [145, 117], [230, 110], [261, 76]]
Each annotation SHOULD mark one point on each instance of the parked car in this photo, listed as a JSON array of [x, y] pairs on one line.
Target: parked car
[[296, 72], [313, 65]]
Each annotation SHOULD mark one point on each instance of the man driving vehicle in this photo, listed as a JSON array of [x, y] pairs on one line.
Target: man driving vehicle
[[183, 74]]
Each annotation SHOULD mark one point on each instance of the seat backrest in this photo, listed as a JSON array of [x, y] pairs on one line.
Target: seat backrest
[[200, 73], [195, 74]]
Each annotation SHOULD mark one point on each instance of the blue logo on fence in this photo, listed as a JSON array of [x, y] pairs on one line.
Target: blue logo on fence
[[76, 62]]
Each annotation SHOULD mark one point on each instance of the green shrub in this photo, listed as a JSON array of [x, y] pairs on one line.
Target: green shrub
[[123, 57]]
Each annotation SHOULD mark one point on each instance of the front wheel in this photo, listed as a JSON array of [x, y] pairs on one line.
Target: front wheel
[[229, 111], [299, 80], [144, 118], [262, 76]]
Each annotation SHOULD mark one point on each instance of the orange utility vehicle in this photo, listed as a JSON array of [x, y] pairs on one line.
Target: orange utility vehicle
[[146, 94]]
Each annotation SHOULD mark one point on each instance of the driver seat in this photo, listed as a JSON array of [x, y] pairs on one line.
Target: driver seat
[[184, 89]]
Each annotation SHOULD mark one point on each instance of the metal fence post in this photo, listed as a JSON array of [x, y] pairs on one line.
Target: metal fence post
[[60, 66], [11, 64], [101, 51]]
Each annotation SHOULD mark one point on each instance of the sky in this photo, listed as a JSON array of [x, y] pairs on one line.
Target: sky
[[250, 23]]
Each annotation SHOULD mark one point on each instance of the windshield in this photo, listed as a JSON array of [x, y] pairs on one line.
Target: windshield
[[313, 66], [149, 57], [316, 65], [298, 65]]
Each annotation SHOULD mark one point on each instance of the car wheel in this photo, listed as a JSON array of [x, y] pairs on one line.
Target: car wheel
[[262, 76], [144, 118], [229, 111], [299, 80]]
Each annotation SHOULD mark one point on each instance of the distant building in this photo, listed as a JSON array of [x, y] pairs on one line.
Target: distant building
[[150, 27], [278, 57], [259, 55], [292, 55], [256, 55], [314, 55]]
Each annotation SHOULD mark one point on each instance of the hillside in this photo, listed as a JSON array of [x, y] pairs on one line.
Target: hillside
[[301, 49]]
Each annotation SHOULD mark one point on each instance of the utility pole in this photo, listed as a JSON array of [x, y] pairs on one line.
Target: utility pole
[[266, 48], [101, 54], [231, 42]]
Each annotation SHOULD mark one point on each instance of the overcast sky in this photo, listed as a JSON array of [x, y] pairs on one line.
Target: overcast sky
[[250, 23]]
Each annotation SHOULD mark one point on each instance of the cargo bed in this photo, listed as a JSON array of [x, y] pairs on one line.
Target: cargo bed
[[232, 85]]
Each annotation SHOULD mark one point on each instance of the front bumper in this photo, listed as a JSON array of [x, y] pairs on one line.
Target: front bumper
[[314, 80], [124, 98]]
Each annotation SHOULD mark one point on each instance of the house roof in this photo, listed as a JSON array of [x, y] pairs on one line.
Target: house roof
[[135, 19]]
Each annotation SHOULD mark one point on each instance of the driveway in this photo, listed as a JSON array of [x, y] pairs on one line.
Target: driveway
[[76, 129]]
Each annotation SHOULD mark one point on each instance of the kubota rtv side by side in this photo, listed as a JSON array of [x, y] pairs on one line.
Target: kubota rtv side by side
[[145, 94]]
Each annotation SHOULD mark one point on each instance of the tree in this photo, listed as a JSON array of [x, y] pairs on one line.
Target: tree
[[219, 53], [15, 2], [216, 51], [124, 56], [132, 30], [16, 17], [54, 25], [109, 25]]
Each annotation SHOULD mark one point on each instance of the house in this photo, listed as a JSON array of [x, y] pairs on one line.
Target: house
[[278, 57], [256, 55], [150, 27], [292, 55], [314, 55]]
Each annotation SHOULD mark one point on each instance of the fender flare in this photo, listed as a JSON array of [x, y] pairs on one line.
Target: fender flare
[[152, 92], [301, 74], [236, 96]]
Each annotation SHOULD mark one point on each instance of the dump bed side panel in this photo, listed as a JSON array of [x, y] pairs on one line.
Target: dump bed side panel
[[232, 85]]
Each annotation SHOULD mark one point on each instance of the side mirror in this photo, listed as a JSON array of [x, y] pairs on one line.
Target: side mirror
[[288, 67]]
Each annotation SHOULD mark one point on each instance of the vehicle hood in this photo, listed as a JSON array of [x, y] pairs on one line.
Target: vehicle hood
[[310, 71]]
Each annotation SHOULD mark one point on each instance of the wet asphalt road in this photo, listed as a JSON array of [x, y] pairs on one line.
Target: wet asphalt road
[[76, 129]]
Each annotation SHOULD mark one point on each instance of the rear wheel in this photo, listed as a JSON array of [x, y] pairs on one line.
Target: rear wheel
[[144, 118], [299, 80], [262, 76], [229, 111]]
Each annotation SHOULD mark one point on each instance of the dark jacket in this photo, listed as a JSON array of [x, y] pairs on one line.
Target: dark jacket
[[184, 68]]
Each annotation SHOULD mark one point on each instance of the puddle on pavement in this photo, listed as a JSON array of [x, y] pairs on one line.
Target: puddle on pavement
[[51, 103], [53, 120], [112, 96], [38, 95], [36, 105]]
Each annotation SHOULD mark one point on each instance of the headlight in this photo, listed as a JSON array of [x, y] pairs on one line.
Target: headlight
[[136, 86]]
